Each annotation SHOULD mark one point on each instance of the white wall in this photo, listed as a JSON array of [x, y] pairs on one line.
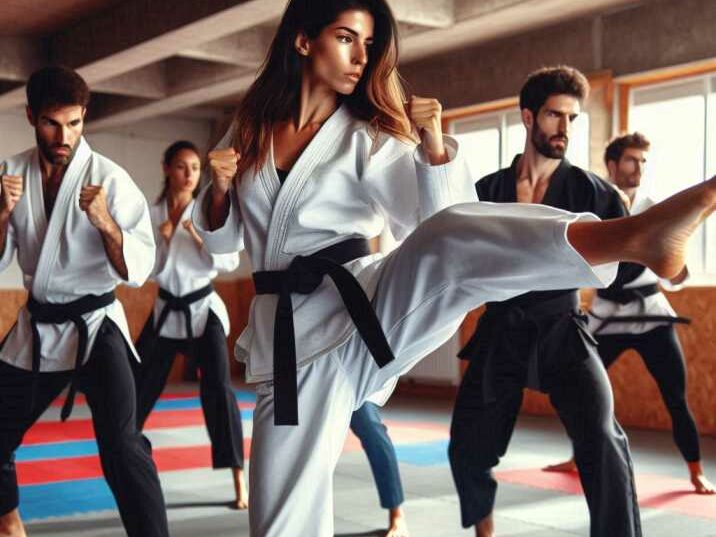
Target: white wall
[[137, 148]]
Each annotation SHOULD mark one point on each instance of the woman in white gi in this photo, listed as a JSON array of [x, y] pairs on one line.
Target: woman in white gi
[[327, 113], [189, 316]]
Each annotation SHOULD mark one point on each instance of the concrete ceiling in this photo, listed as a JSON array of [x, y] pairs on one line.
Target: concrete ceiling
[[146, 58]]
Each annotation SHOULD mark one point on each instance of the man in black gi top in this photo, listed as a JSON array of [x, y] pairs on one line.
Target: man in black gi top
[[539, 339]]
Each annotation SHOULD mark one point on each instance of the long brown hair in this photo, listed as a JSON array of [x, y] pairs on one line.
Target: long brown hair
[[274, 96]]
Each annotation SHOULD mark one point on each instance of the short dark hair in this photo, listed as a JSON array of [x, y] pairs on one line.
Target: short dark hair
[[56, 86], [548, 81], [618, 145]]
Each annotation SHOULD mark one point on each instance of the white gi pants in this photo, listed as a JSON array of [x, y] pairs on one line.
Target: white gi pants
[[458, 259]]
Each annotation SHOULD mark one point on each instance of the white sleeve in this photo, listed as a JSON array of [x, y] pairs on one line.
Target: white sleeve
[[228, 238], [408, 189], [129, 208], [10, 246]]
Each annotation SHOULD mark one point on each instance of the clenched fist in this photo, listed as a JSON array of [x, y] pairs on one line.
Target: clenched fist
[[93, 201], [166, 230], [426, 114], [224, 163], [11, 188], [189, 226]]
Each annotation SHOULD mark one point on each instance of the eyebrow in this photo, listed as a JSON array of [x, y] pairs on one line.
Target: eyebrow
[[55, 122], [555, 111], [353, 32]]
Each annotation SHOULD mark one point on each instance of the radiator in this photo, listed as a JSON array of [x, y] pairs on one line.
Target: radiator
[[439, 367]]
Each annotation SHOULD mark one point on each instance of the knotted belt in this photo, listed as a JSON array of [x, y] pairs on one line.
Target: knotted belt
[[47, 313], [303, 276], [181, 303], [500, 316], [625, 296]]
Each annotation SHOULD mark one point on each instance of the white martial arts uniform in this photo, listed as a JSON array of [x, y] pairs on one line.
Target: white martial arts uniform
[[656, 304], [345, 185], [180, 270], [62, 260]]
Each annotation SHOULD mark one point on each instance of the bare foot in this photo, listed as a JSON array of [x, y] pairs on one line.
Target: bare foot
[[566, 466], [486, 527], [11, 525], [398, 524], [698, 479], [242, 491], [665, 228], [702, 485]]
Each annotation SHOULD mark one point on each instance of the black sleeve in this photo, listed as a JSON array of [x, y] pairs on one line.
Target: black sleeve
[[607, 203]]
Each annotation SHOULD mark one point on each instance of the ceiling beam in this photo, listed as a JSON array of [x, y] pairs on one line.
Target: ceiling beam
[[20, 57], [430, 13], [137, 33], [247, 48]]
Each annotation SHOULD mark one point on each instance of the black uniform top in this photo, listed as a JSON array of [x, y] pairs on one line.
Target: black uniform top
[[570, 188]]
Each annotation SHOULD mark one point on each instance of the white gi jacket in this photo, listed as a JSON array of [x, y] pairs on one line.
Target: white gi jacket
[[346, 184], [656, 304], [65, 259], [181, 268]]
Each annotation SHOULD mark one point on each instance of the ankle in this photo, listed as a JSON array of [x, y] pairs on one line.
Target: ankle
[[11, 525], [695, 468]]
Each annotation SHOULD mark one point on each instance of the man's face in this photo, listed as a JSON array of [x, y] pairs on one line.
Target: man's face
[[628, 171], [58, 131], [550, 129]]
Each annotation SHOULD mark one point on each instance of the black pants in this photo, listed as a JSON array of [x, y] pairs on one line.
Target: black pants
[[106, 380], [661, 352], [579, 389], [222, 416]]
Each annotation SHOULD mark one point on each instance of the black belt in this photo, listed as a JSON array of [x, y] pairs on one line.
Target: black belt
[[499, 316], [303, 276], [181, 303], [625, 296], [47, 313]]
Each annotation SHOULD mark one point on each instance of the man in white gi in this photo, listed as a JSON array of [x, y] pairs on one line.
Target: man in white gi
[[80, 227]]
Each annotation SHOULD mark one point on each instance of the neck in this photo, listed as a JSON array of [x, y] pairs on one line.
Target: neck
[[628, 190], [47, 168], [178, 200], [535, 167], [317, 103]]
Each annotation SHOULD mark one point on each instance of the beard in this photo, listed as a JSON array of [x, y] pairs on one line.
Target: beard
[[46, 149], [630, 180], [541, 143]]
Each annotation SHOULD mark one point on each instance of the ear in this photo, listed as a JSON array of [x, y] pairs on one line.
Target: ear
[[527, 118], [30, 116], [302, 44], [612, 168]]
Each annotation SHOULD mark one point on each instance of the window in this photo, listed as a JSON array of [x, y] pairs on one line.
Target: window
[[491, 141], [679, 118]]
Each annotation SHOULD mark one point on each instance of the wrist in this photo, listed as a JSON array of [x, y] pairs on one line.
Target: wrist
[[437, 156], [219, 200], [218, 193], [106, 225]]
